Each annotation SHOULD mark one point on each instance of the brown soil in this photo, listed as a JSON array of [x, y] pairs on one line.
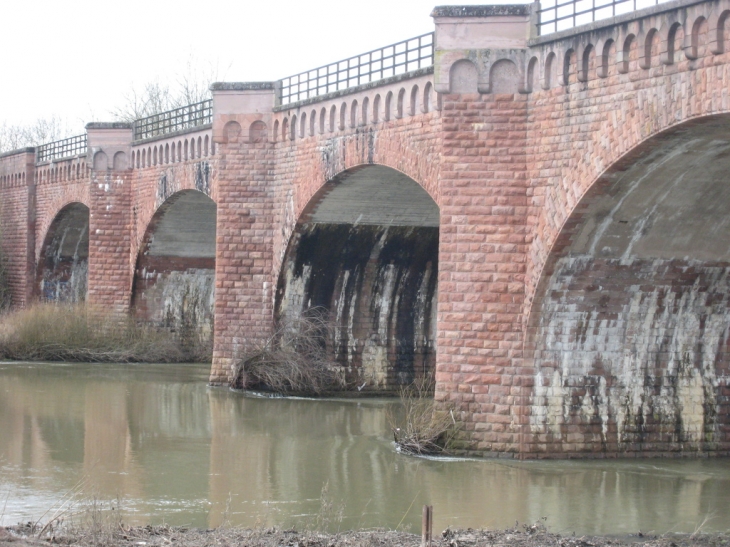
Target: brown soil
[[153, 536]]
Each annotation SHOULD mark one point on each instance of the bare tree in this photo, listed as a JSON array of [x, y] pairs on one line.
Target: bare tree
[[192, 86], [13, 137]]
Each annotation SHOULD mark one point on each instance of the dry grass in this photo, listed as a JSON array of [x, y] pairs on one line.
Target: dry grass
[[425, 427], [98, 525], [74, 332], [293, 359]]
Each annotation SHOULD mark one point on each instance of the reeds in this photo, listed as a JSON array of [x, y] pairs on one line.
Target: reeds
[[293, 359], [425, 427], [74, 332]]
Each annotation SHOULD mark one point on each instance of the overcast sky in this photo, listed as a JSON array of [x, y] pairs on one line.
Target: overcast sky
[[78, 58]]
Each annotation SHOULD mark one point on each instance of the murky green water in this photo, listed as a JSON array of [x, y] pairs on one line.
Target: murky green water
[[174, 450]]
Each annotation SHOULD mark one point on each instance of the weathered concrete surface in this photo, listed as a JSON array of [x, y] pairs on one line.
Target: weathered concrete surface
[[373, 195], [174, 284], [633, 331], [379, 285], [366, 250], [63, 267]]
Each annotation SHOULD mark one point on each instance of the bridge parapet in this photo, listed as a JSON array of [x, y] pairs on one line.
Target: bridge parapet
[[388, 100], [175, 121], [376, 65], [179, 147]]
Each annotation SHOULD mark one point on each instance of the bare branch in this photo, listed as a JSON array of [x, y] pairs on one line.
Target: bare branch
[[43, 130]]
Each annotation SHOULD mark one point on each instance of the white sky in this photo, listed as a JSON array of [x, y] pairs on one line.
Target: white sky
[[77, 58]]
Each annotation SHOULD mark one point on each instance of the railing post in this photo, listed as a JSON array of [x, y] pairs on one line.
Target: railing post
[[416, 53], [171, 121], [535, 19]]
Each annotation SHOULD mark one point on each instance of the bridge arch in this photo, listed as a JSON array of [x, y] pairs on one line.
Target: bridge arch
[[365, 247], [174, 277], [62, 273], [628, 334]]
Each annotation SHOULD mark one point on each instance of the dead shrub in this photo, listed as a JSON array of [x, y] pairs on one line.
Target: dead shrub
[[293, 359], [423, 427], [74, 332]]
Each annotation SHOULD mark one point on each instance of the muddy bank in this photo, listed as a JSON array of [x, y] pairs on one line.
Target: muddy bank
[[522, 536]]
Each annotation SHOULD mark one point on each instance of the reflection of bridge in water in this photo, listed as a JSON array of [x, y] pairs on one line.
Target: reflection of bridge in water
[[178, 452], [573, 297]]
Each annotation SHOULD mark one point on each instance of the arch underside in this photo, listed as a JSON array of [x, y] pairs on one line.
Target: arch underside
[[366, 250], [63, 265], [174, 279], [630, 326]]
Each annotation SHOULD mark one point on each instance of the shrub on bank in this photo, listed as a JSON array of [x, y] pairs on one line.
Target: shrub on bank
[[293, 359], [74, 332], [424, 427]]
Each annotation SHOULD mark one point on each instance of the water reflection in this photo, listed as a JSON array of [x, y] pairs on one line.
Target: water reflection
[[173, 449]]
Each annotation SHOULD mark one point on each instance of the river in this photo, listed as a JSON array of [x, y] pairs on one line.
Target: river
[[171, 449]]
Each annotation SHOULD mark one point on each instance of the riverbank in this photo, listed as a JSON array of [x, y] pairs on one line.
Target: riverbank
[[78, 333], [524, 536]]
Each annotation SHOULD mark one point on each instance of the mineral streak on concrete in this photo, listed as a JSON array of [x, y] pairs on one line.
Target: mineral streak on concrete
[[635, 324], [62, 272], [174, 285], [366, 250], [379, 285]]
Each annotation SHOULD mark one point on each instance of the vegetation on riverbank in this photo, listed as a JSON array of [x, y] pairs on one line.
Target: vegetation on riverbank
[[74, 332], [94, 535], [425, 427], [292, 360]]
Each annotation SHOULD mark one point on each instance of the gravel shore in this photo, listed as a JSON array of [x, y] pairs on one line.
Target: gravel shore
[[153, 536]]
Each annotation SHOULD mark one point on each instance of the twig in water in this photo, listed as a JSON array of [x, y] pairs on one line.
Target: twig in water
[[408, 510]]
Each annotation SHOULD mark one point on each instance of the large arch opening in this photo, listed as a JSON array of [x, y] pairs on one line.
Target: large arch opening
[[366, 250], [631, 319], [174, 279], [62, 274]]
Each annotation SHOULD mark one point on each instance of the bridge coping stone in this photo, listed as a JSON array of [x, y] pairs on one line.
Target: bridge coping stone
[[108, 125], [26, 150], [491, 10], [242, 86]]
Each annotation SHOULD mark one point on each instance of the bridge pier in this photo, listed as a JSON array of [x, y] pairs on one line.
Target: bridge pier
[[111, 264], [245, 281], [483, 264], [18, 224], [484, 205]]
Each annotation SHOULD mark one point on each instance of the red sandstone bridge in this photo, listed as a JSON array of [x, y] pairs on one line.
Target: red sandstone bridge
[[532, 202]]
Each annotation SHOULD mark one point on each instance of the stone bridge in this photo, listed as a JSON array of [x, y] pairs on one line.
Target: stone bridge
[[538, 214]]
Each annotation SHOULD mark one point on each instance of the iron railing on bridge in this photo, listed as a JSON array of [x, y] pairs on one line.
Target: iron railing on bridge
[[72, 146], [177, 119], [367, 67], [556, 15]]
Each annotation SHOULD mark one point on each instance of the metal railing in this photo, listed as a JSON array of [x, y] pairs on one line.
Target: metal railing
[[557, 15], [178, 119], [368, 67], [72, 146]]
